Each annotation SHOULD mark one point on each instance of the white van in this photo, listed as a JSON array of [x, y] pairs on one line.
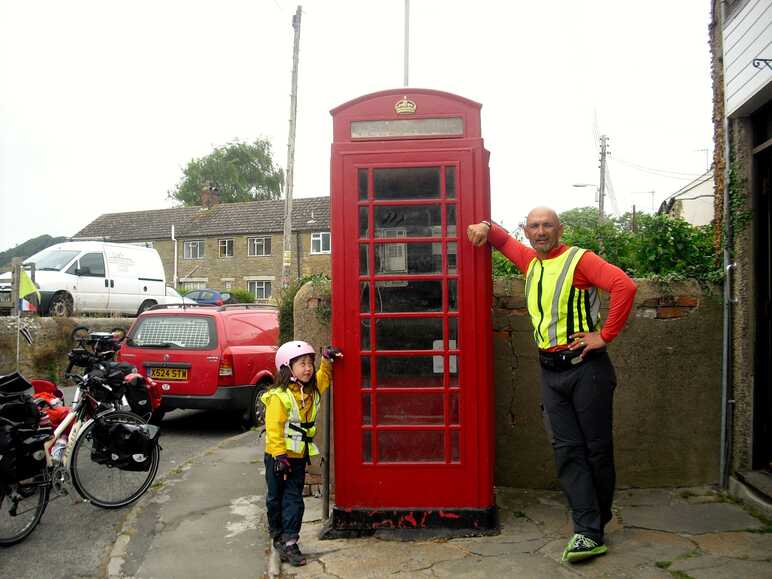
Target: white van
[[98, 277]]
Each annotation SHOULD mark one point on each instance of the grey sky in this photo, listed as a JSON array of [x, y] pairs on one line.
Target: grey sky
[[103, 103]]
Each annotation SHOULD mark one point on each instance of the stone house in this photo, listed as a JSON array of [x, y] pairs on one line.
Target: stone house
[[227, 245], [742, 117]]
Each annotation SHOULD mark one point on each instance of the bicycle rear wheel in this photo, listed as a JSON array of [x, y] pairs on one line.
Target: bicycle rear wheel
[[21, 507], [105, 485]]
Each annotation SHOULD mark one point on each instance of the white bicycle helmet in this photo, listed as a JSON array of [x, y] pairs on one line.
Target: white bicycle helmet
[[291, 350]]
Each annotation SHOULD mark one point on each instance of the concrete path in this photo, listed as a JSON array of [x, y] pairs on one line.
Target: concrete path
[[208, 520]]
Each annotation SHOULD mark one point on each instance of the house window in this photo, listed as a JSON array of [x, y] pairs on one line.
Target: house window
[[193, 249], [258, 246], [226, 247], [260, 289], [228, 285], [320, 242], [192, 285]]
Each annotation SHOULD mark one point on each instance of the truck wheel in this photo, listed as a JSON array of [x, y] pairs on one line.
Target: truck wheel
[[255, 414], [61, 306], [146, 305]]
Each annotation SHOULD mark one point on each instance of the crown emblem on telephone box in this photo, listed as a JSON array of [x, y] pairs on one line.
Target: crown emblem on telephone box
[[405, 106]]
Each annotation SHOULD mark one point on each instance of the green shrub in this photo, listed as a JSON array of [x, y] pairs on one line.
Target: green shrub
[[242, 296], [660, 246]]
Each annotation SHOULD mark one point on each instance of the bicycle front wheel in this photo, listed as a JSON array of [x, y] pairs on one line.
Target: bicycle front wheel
[[105, 485], [21, 507]]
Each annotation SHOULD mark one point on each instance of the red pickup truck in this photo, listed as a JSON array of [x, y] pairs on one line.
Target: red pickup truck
[[206, 357]]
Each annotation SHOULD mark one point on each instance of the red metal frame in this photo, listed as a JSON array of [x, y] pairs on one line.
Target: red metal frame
[[460, 482]]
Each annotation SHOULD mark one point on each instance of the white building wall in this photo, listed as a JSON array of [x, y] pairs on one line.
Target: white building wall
[[747, 35]]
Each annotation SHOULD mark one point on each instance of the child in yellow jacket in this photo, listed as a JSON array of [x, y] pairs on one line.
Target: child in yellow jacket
[[290, 424]]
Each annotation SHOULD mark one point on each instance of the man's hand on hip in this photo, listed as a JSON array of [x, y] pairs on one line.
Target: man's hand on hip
[[587, 342], [478, 233]]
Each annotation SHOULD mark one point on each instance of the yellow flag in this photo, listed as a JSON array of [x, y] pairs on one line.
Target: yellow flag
[[27, 286]]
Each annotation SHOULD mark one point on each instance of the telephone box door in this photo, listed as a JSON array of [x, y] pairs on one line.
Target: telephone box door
[[412, 406]]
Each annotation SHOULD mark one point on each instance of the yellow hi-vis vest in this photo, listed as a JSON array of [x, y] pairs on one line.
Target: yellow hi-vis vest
[[298, 436], [556, 307]]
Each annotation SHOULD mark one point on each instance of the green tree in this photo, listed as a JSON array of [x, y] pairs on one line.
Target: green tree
[[240, 172]]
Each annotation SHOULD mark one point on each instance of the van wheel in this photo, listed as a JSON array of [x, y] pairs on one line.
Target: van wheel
[[61, 306], [146, 305], [255, 414]]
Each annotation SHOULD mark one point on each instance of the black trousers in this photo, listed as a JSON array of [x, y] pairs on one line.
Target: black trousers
[[578, 412], [284, 499]]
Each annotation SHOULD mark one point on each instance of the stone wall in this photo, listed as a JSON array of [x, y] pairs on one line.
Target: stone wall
[[51, 340], [668, 399]]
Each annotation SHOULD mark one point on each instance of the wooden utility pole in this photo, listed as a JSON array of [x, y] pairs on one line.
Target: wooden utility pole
[[287, 255], [602, 187], [407, 42]]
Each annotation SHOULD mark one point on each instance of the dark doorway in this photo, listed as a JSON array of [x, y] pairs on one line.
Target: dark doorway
[[762, 179]]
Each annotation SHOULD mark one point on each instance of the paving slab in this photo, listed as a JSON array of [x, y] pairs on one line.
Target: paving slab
[[753, 546], [722, 568], [690, 518]]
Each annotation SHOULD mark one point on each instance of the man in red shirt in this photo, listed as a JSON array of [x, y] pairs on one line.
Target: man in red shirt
[[578, 379]]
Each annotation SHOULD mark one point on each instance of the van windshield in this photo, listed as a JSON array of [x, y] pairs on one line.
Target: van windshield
[[54, 260]]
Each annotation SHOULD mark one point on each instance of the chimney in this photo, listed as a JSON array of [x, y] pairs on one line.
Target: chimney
[[210, 196]]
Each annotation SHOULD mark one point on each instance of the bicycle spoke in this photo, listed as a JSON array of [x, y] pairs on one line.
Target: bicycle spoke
[[20, 510]]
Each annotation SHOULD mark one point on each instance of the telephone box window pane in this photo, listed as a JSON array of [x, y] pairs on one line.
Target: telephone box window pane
[[364, 260], [363, 222], [452, 258], [410, 258], [452, 333], [450, 181], [455, 446], [411, 446], [364, 301], [366, 409], [362, 179], [408, 296], [453, 372], [407, 333], [408, 372], [404, 409], [407, 183], [366, 381], [454, 408], [367, 446], [451, 221], [452, 295], [365, 330], [392, 222]]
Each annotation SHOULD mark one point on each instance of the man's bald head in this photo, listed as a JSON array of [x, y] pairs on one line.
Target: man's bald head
[[543, 229], [543, 213]]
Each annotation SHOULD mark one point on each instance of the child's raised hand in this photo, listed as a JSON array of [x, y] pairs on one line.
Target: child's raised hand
[[331, 353]]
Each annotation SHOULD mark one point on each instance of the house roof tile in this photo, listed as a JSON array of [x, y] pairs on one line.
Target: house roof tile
[[308, 214]]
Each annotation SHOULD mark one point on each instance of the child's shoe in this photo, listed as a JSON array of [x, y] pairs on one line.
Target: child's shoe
[[291, 554]]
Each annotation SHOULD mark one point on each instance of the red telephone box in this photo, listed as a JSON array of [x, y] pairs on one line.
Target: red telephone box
[[413, 401]]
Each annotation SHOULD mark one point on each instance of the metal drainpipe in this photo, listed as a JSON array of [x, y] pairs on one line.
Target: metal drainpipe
[[326, 457], [727, 388]]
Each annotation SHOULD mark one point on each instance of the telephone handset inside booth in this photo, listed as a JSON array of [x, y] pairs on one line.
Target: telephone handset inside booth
[[413, 425]]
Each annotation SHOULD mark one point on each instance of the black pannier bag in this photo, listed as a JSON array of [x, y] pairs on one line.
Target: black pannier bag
[[31, 452], [124, 446], [112, 388], [14, 384], [138, 397], [8, 449], [21, 409]]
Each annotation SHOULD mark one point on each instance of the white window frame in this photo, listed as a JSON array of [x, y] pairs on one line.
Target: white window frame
[[252, 244], [224, 243], [317, 240], [192, 284], [252, 287], [187, 247]]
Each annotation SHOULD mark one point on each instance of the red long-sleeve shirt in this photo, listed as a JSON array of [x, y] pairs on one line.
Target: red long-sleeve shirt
[[591, 271]]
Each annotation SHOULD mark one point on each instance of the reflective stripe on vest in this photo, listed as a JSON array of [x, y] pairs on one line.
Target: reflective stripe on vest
[[556, 307], [297, 434]]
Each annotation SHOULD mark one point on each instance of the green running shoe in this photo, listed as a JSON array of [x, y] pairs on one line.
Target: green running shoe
[[580, 548]]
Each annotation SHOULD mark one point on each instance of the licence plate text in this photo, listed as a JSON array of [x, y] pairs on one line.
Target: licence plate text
[[169, 373]]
